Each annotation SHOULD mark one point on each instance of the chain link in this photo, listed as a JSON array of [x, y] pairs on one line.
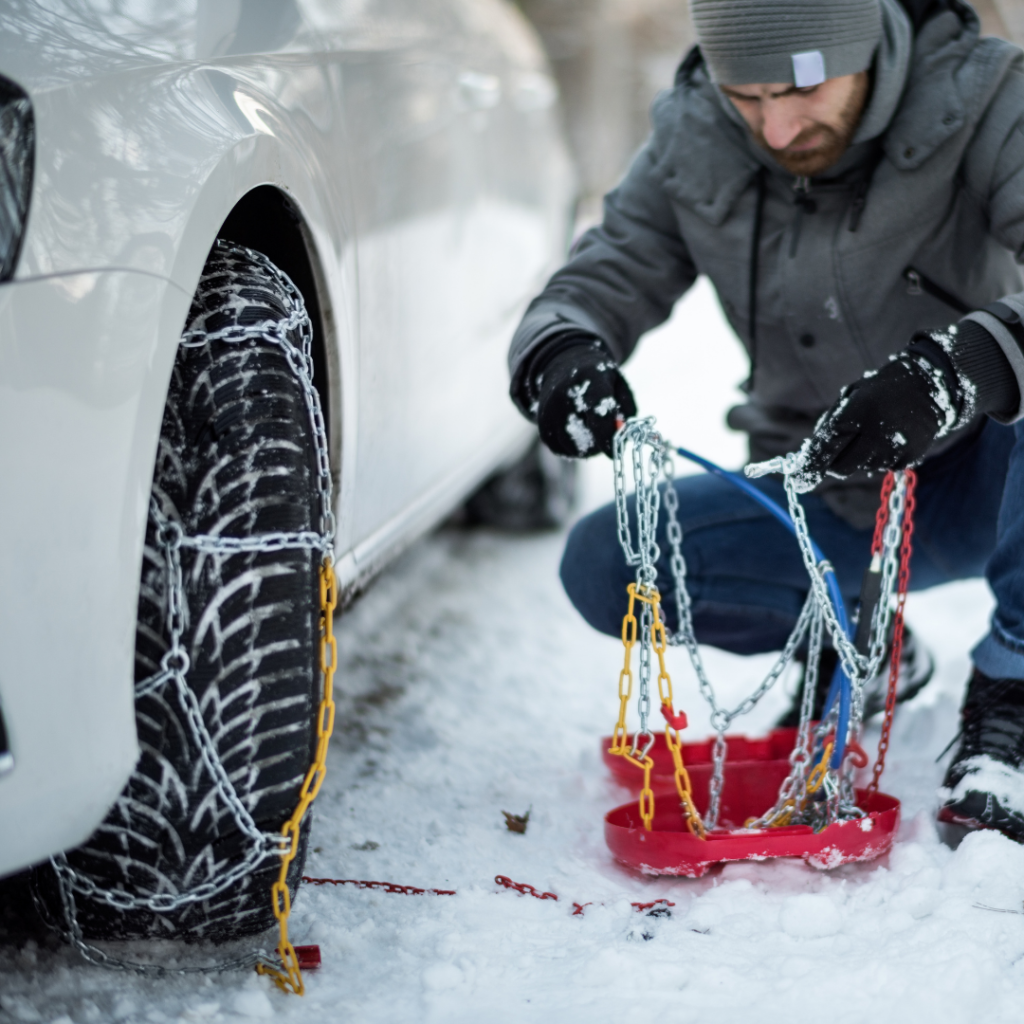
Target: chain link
[[73, 933], [175, 665], [299, 358]]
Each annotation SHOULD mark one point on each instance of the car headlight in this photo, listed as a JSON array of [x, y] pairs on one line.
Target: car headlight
[[17, 144]]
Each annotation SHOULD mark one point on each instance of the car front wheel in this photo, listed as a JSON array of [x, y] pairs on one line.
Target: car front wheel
[[227, 646]]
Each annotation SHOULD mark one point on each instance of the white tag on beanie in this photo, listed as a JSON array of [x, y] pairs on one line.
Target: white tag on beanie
[[808, 69]]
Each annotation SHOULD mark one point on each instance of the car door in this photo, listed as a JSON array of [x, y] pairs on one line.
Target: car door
[[514, 201], [453, 215], [395, 82]]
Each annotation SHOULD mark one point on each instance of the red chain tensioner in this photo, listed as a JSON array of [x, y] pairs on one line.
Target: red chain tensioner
[[902, 586]]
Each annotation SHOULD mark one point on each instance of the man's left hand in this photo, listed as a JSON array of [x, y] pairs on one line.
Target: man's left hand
[[888, 419]]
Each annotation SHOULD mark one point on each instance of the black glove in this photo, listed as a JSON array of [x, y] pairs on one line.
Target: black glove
[[581, 397], [891, 417]]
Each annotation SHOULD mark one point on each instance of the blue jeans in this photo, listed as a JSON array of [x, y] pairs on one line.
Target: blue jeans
[[748, 583]]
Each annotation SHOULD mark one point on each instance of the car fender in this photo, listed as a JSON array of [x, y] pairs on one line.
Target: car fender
[[82, 373]]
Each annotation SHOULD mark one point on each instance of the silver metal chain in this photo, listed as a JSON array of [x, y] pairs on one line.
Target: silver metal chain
[[95, 955], [840, 799], [793, 791], [175, 663], [300, 360], [859, 668], [653, 478]]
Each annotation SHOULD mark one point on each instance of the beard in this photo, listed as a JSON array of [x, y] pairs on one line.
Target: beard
[[835, 139]]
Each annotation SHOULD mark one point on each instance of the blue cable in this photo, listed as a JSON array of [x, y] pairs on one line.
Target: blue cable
[[840, 682]]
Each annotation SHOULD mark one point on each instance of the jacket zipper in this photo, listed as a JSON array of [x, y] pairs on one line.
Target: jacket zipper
[[804, 204], [761, 181], [918, 283]]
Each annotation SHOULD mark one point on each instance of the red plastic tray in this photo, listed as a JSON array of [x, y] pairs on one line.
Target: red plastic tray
[[754, 771], [770, 753]]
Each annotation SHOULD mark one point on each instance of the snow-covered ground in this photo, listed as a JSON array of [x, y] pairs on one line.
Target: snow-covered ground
[[469, 687]]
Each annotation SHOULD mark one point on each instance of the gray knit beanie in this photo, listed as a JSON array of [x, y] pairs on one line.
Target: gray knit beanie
[[801, 42]]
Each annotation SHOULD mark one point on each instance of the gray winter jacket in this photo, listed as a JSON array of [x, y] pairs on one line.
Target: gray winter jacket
[[921, 221]]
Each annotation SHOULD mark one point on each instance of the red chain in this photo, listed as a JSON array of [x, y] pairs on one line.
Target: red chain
[[903, 585], [503, 880], [641, 907], [405, 890], [882, 515], [528, 890], [524, 888]]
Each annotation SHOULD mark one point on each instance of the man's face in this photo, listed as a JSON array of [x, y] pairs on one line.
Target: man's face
[[805, 130]]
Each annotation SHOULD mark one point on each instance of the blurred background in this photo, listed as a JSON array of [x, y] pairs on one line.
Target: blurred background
[[612, 56]]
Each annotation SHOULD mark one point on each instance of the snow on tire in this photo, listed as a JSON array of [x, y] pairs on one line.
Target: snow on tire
[[237, 458]]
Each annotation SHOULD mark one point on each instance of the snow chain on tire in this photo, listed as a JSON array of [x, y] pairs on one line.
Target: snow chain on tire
[[236, 303]]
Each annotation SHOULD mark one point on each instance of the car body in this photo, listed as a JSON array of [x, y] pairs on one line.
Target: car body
[[405, 159]]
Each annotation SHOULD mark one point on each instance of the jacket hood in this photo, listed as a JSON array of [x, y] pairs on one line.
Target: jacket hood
[[892, 62]]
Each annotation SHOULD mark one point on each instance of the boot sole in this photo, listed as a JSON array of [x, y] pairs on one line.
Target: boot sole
[[977, 811]]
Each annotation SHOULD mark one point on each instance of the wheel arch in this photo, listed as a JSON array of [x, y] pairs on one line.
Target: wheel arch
[[268, 220]]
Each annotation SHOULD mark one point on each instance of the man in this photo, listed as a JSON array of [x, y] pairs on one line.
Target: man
[[850, 176]]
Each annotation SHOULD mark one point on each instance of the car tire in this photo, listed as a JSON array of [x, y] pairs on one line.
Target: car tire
[[237, 458], [537, 492]]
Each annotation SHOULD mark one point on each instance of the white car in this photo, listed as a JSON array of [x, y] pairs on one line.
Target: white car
[[375, 189]]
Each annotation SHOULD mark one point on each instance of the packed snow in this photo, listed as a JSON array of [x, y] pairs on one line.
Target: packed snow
[[469, 687]]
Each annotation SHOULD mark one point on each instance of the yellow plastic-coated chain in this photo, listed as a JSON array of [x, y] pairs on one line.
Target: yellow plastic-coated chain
[[289, 977], [658, 636], [646, 794], [620, 740], [629, 625], [817, 776], [694, 822], [777, 820], [620, 745], [647, 803], [665, 689], [659, 641]]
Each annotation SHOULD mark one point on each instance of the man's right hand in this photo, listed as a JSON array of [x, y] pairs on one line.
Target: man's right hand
[[582, 395]]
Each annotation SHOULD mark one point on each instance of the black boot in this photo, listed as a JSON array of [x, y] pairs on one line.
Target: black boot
[[916, 669], [826, 668], [984, 786]]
